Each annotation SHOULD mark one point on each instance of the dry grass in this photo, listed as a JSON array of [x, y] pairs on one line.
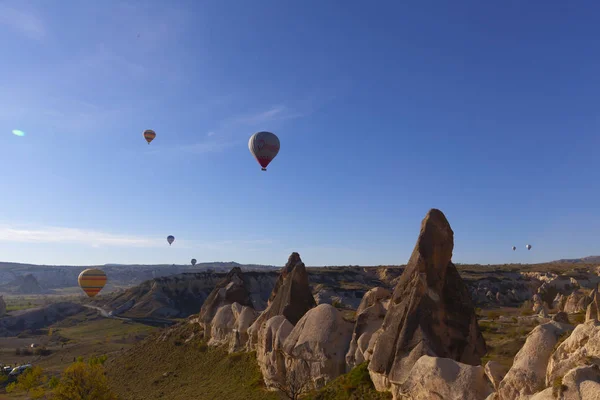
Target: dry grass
[[505, 338], [174, 369]]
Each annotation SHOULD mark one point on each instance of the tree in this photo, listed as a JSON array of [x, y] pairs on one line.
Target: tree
[[297, 381], [81, 381], [30, 381]]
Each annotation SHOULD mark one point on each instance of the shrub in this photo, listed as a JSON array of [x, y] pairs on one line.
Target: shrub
[[558, 387], [53, 382], [578, 318], [82, 381], [485, 326], [30, 382], [202, 347], [41, 351]]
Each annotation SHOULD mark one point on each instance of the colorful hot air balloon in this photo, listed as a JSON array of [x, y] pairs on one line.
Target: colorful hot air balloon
[[264, 146], [514, 248], [149, 135], [194, 261], [92, 281], [528, 247], [170, 239]]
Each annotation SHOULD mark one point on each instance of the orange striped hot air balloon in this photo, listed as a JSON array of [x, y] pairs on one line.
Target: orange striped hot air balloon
[[149, 135], [92, 281]]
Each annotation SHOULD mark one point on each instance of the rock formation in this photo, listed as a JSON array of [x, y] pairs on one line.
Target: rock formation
[[559, 302], [582, 383], [446, 378], [269, 349], [319, 343], [581, 348], [37, 318], [291, 297], [29, 285], [230, 290], [593, 310], [576, 302], [370, 315], [539, 306], [528, 372], [495, 373], [561, 317], [431, 312], [183, 295], [230, 326], [373, 296]]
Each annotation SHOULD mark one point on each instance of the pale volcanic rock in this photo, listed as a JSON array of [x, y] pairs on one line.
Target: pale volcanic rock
[[431, 312]]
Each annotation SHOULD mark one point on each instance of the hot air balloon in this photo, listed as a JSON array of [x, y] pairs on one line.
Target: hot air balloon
[[149, 135], [194, 261], [170, 239], [264, 146], [528, 247], [514, 248], [92, 281]]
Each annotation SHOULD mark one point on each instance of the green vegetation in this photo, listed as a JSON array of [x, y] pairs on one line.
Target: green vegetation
[[102, 328], [30, 382], [557, 387], [578, 318], [79, 381], [355, 385], [180, 366], [88, 335], [505, 339], [82, 381]]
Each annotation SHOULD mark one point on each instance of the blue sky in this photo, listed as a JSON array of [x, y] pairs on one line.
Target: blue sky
[[488, 111]]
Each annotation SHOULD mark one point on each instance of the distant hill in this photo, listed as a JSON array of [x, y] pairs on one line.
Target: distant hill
[[584, 260], [119, 275], [26, 284]]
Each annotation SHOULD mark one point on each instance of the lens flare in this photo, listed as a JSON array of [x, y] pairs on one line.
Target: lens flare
[[18, 132]]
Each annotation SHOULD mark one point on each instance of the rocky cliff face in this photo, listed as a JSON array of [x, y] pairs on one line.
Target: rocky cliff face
[[37, 318], [369, 318], [236, 287], [431, 312], [291, 297], [183, 295], [317, 345], [26, 284]]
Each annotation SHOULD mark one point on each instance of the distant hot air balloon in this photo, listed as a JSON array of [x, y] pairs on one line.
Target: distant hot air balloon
[[170, 239], [514, 248], [149, 135], [92, 281], [528, 247], [194, 261], [264, 146]]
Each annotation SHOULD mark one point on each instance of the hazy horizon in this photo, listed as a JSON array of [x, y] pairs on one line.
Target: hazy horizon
[[485, 111]]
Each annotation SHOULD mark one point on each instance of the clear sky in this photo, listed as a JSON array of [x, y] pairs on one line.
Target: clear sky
[[489, 111]]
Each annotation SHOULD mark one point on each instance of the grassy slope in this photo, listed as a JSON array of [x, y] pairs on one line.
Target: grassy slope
[[355, 385], [173, 369], [91, 335]]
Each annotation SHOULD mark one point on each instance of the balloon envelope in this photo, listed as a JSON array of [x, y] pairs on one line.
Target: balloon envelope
[[92, 280], [193, 261], [264, 146], [149, 135], [170, 239], [514, 248], [528, 247]]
